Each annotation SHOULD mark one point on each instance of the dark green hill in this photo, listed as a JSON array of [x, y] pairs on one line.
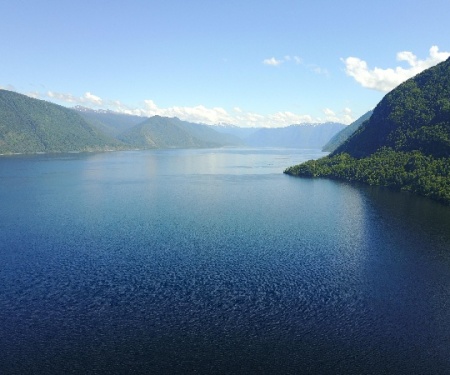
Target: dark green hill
[[414, 116], [29, 125], [164, 132], [345, 133], [404, 145]]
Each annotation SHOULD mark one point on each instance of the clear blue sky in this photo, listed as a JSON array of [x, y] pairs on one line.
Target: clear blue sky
[[248, 62]]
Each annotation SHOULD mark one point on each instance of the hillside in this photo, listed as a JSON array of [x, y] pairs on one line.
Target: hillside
[[345, 133], [30, 125], [164, 132], [414, 116], [295, 136], [404, 145]]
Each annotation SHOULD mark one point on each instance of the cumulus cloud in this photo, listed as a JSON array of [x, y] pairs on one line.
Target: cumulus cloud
[[93, 99], [87, 98], [238, 116], [329, 112], [63, 97], [345, 116], [272, 61], [386, 79], [198, 114], [276, 62]]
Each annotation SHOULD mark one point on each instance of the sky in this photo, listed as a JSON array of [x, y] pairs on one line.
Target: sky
[[247, 62]]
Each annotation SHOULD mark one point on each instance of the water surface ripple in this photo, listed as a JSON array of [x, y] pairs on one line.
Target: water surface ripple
[[213, 261]]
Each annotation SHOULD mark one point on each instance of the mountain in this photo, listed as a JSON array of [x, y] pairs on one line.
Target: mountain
[[109, 122], [234, 130], [30, 125], [345, 133], [206, 134], [404, 145], [164, 132], [295, 136], [415, 116]]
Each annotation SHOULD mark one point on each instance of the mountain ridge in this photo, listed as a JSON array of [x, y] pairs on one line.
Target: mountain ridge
[[308, 135], [29, 125]]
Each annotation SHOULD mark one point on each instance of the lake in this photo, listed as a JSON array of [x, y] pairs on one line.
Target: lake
[[214, 261]]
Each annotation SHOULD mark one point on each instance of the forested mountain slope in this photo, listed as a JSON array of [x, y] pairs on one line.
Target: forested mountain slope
[[404, 145], [29, 125]]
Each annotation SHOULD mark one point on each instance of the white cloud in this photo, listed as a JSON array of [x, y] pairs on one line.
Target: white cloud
[[345, 116], [197, 114], [386, 79], [67, 98], [272, 61], [329, 112], [87, 98], [93, 99], [275, 62], [287, 118], [238, 116]]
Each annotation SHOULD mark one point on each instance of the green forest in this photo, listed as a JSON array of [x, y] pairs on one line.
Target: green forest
[[404, 145], [408, 171], [29, 125]]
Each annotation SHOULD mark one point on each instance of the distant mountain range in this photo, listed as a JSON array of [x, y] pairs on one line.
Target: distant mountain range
[[295, 136], [404, 144], [164, 132], [30, 125]]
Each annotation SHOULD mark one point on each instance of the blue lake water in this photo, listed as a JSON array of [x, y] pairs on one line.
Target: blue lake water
[[213, 261]]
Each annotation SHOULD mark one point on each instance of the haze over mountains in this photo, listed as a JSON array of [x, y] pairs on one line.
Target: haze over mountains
[[30, 125]]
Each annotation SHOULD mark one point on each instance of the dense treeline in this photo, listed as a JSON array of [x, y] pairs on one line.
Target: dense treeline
[[407, 171], [414, 116], [404, 145]]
